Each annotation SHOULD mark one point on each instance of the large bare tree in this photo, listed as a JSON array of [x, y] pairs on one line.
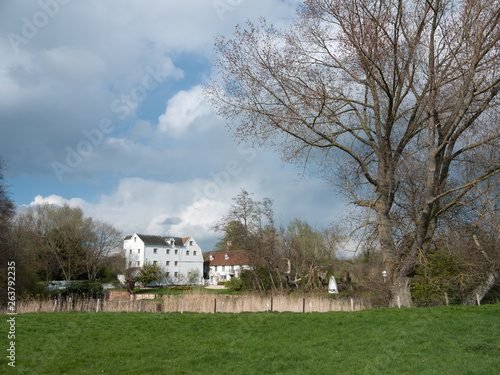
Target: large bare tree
[[102, 238], [380, 91]]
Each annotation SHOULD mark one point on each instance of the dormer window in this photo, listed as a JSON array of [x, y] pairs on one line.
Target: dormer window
[[226, 257], [172, 242], [211, 257], [190, 243], [135, 239]]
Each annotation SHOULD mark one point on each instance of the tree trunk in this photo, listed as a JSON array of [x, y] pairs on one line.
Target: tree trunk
[[482, 289], [400, 292]]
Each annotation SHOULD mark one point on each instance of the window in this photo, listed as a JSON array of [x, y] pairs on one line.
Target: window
[[167, 263], [167, 274], [176, 274], [155, 263], [130, 252], [130, 263], [138, 251], [194, 252], [168, 251], [187, 252], [223, 268], [215, 268], [139, 263], [176, 262], [190, 243], [135, 238], [176, 251], [155, 251]]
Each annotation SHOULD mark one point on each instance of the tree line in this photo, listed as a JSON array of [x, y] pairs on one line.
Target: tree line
[[296, 257], [49, 242]]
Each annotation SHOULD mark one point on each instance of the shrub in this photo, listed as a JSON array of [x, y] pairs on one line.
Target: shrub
[[89, 289], [235, 284], [439, 273]]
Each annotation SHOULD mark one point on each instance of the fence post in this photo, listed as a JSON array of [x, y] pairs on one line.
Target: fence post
[[140, 305], [478, 300], [222, 310], [54, 308], [215, 305], [242, 299], [97, 306], [303, 305], [446, 298], [399, 302], [182, 306], [352, 305], [271, 304], [310, 307]]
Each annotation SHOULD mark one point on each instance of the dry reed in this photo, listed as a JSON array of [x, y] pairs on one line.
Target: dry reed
[[198, 303]]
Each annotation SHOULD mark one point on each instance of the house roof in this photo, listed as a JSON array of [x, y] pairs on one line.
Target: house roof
[[234, 258], [149, 239]]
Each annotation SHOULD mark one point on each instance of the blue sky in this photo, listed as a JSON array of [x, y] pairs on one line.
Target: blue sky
[[101, 106]]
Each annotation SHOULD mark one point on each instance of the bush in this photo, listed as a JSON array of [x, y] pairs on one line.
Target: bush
[[88, 289], [235, 284], [439, 273]]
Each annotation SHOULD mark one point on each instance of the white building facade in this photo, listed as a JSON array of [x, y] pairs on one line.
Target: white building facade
[[180, 257], [225, 265]]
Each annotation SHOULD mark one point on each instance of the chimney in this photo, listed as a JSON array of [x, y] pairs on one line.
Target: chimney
[[229, 247]]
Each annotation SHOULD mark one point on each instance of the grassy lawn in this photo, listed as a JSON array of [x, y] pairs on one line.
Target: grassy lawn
[[440, 340]]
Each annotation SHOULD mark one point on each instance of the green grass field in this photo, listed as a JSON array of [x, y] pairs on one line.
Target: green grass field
[[440, 340]]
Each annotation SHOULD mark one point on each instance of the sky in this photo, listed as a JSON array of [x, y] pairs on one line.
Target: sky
[[102, 107]]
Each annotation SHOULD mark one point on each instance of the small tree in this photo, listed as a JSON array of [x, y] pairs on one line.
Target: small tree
[[150, 272], [193, 276], [132, 276]]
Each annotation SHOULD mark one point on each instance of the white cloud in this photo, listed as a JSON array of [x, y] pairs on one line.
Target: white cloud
[[58, 201], [184, 110], [143, 206], [191, 207]]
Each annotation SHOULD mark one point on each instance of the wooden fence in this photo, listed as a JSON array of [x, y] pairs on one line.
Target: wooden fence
[[199, 303]]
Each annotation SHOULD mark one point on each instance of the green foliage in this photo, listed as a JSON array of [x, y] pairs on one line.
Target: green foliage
[[235, 284], [86, 289], [150, 273], [438, 273]]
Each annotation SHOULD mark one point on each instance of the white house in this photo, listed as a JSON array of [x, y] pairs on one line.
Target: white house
[[224, 265], [180, 257]]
